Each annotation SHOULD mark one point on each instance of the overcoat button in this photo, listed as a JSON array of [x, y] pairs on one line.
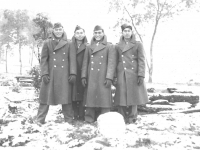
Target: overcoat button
[[63, 60], [54, 65], [100, 63], [123, 61], [91, 68], [92, 62], [132, 68], [91, 55], [54, 53], [54, 59], [125, 68], [122, 55], [101, 56], [63, 53], [62, 66]]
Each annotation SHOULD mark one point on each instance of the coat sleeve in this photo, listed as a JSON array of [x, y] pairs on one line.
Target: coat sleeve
[[44, 65], [72, 59], [112, 62], [85, 63], [141, 61]]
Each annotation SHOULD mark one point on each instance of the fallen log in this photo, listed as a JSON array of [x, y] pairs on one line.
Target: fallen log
[[175, 97], [174, 90], [180, 111], [20, 100], [150, 110]]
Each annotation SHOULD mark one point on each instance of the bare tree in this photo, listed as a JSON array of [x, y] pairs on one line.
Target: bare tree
[[6, 34], [143, 13]]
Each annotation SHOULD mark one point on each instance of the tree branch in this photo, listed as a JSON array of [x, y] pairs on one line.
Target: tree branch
[[170, 10], [133, 24]]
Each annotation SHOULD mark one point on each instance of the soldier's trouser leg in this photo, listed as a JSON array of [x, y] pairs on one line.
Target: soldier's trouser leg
[[132, 116], [42, 112], [90, 114], [123, 111], [81, 111], [76, 109], [105, 110], [67, 111]]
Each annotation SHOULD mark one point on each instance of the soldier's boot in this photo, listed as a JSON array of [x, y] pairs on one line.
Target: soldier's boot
[[132, 114], [90, 114], [123, 110]]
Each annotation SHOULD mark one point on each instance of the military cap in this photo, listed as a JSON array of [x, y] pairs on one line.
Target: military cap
[[97, 27], [57, 25], [78, 28], [124, 26]]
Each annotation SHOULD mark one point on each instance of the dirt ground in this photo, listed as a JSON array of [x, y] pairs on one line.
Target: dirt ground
[[151, 131]]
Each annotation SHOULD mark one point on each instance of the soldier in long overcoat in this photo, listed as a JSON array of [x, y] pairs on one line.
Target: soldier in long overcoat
[[98, 69], [79, 43], [58, 72], [130, 88]]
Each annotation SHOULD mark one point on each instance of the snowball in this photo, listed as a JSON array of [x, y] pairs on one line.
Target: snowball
[[111, 125]]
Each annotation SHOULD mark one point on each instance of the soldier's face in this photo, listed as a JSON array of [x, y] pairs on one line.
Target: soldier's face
[[127, 33], [79, 34], [98, 35], [58, 32]]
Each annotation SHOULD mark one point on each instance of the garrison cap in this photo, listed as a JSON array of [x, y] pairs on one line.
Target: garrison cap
[[57, 25], [124, 26], [97, 27], [78, 28]]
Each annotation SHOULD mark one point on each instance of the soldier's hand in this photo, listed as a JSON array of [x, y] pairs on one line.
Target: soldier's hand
[[114, 81], [140, 80], [72, 79], [84, 82], [46, 79], [108, 83]]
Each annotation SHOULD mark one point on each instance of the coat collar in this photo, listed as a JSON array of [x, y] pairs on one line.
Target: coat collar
[[101, 45], [125, 47], [83, 45], [62, 42]]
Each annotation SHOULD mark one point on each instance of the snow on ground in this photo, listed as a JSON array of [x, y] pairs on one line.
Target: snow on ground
[[151, 131]]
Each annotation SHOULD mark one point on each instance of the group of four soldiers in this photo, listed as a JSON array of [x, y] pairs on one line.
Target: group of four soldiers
[[79, 75]]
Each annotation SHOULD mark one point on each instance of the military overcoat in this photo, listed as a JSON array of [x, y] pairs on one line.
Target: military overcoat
[[130, 65], [78, 89], [99, 63], [58, 61]]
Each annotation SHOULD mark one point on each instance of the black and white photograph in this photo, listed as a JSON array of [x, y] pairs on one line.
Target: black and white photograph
[[99, 74]]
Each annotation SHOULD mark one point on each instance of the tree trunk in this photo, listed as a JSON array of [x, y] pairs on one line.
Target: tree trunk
[[38, 54], [6, 60], [20, 59], [150, 76], [31, 57], [151, 51]]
